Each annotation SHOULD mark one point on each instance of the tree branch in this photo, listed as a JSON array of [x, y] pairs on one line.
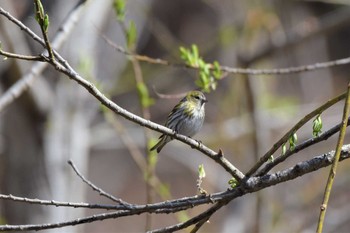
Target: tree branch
[[27, 80], [199, 218], [20, 56], [234, 70], [252, 184], [333, 169], [297, 126], [312, 141], [60, 203], [97, 189]]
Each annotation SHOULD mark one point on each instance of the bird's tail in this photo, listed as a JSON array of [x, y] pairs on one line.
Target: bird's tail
[[160, 144]]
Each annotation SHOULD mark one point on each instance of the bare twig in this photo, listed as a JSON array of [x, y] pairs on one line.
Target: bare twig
[[21, 57], [333, 169], [60, 203], [199, 218], [97, 189]]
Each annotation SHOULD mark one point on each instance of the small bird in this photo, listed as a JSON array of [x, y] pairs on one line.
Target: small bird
[[186, 118]]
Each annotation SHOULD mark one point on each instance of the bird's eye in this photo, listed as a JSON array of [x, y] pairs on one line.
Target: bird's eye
[[196, 97]]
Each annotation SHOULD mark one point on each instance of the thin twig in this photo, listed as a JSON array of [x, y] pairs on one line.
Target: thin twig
[[297, 126], [234, 70], [161, 207], [41, 18], [333, 169], [60, 203], [97, 189], [205, 215], [307, 143], [20, 56]]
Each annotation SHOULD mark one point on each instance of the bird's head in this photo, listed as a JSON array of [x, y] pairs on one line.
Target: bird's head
[[196, 97]]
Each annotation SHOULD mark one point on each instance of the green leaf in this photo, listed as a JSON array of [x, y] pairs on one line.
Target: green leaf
[[183, 54], [39, 12], [195, 52], [204, 67], [201, 171], [119, 8], [131, 35], [46, 22], [233, 182], [284, 149], [203, 77], [292, 141], [317, 126], [207, 77], [191, 57], [217, 70]]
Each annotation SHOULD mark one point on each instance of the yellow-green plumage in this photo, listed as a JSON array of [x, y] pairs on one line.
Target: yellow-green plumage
[[186, 118]]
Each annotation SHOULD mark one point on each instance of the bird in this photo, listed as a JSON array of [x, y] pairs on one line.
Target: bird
[[186, 118]]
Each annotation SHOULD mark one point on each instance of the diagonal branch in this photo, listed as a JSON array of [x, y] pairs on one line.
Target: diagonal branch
[[297, 126], [97, 189], [312, 141], [333, 169], [27, 80]]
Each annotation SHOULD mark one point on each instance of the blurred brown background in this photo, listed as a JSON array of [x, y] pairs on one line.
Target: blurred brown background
[[58, 120]]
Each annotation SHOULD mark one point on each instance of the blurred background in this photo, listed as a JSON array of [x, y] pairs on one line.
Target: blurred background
[[57, 120]]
